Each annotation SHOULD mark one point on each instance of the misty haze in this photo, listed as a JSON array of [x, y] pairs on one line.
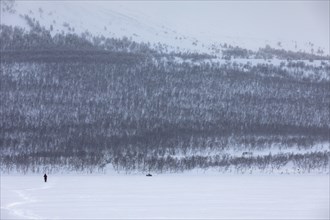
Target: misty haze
[[164, 109]]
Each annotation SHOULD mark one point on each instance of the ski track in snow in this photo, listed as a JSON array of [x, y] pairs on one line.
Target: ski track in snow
[[15, 208]]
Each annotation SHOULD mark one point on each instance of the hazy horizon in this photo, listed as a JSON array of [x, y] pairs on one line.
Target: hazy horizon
[[302, 21]]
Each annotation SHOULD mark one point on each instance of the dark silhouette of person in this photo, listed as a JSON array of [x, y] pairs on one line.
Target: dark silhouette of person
[[45, 178]]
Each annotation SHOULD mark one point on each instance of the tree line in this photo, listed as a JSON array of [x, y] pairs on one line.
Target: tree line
[[88, 107]]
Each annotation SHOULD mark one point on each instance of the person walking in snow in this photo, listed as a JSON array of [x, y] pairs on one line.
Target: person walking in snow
[[45, 178]]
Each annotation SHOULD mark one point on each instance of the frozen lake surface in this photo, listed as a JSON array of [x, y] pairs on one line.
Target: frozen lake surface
[[165, 196]]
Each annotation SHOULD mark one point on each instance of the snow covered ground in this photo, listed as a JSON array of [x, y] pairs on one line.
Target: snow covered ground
[[192, 196]]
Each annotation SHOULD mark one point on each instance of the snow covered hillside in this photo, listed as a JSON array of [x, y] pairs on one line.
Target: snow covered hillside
[[124, 19], [109, 19], [88, 85], [225, 103]]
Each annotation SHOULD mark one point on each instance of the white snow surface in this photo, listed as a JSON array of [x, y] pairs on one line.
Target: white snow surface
[[175, 196]]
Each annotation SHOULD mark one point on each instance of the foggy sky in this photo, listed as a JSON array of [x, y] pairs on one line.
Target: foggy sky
[[301, 21]]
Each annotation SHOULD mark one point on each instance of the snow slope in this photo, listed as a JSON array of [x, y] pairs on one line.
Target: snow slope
[[122, 19], [110, 19], [165, 197]]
